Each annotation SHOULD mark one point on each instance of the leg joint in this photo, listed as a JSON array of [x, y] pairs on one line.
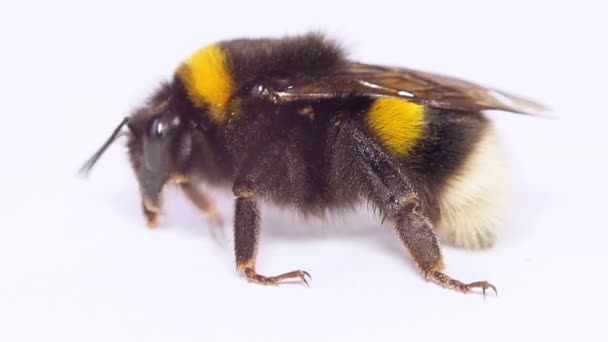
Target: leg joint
[[242, 190], [398, 205]]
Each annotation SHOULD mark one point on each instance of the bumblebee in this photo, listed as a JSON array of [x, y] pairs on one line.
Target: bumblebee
[[294, 121]]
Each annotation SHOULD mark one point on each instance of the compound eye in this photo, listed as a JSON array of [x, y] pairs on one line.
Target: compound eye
[[158, 128]]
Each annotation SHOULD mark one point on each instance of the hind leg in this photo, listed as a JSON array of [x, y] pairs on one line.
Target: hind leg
[[391, 191]]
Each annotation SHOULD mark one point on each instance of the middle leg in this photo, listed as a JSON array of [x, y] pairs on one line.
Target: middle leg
[[256, 179], [246, 235]]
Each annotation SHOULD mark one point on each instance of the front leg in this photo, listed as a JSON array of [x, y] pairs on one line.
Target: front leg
[[194, 194], [203, 202], [252, 183]]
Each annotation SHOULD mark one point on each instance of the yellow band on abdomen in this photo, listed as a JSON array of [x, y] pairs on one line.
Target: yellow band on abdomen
[[396, 123]]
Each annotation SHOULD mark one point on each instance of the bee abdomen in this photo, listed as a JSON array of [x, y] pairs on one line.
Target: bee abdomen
[[474, 201]]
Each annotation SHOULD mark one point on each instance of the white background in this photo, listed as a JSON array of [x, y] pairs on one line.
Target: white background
[[78, 264]]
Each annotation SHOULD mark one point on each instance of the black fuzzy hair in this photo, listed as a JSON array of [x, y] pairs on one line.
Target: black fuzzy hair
[[308, 54]]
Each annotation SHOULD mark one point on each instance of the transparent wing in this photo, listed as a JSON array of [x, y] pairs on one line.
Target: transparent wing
[[430, 89]]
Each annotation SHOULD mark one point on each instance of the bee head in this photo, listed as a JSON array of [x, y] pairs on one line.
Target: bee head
[[159, 147]]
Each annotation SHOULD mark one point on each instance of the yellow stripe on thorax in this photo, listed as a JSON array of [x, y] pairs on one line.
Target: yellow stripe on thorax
[[207, 80], [397, 123]]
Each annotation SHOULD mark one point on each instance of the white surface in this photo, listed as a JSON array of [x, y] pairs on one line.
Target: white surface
[[78, 264]]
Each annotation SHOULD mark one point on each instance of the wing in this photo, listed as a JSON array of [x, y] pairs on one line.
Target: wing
[[430, 89]]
